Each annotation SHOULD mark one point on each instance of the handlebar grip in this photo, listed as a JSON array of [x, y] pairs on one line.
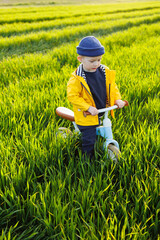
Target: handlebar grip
[[85, 113], [126, 103]]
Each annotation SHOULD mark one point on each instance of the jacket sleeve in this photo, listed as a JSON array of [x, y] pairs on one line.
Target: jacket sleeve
[[114, 94], [74, 89], [117, 94]]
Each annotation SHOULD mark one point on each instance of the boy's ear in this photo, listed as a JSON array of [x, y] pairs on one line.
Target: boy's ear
[[79, 58]]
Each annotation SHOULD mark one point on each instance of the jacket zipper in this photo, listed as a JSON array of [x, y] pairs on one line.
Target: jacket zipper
[[86, 90], [89, 93]]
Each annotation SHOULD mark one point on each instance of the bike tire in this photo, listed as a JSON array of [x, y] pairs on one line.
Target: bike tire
[[113, 152], [64, 132]]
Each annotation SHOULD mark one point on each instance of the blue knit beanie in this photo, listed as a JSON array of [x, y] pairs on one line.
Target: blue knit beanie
[[90, 46]]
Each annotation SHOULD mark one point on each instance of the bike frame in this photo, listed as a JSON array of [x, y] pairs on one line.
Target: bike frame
[[105, 131]]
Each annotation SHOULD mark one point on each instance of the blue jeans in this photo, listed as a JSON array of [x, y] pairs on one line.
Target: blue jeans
[[88, 139]]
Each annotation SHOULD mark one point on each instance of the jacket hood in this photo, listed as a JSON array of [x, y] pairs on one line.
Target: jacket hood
[[80, 72]]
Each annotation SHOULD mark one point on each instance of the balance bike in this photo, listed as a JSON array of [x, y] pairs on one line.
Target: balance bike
[[105, 130]]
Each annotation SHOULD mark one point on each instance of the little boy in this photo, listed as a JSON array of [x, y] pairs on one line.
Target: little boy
[[92, 86]]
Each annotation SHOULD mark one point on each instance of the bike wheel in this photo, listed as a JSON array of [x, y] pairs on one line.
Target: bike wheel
[[64, 132], [113, 152]]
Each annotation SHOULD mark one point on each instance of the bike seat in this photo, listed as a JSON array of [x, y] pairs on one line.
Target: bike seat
[[65, 113]]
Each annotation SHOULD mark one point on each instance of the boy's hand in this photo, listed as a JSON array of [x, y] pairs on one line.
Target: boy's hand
[[93, 111], [120, 103]]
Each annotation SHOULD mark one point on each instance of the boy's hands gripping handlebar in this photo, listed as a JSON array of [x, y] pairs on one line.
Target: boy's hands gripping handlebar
[[94, 111]]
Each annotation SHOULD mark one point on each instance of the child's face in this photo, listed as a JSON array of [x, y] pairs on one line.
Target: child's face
[[90, 64]]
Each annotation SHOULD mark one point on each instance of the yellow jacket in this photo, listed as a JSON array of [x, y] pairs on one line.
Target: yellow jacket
[[79, 94]]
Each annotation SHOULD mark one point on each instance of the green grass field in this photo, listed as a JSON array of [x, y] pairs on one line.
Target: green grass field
[[47, 191]]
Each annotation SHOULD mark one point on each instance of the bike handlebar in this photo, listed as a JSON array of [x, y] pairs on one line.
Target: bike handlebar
[[85, 113]]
